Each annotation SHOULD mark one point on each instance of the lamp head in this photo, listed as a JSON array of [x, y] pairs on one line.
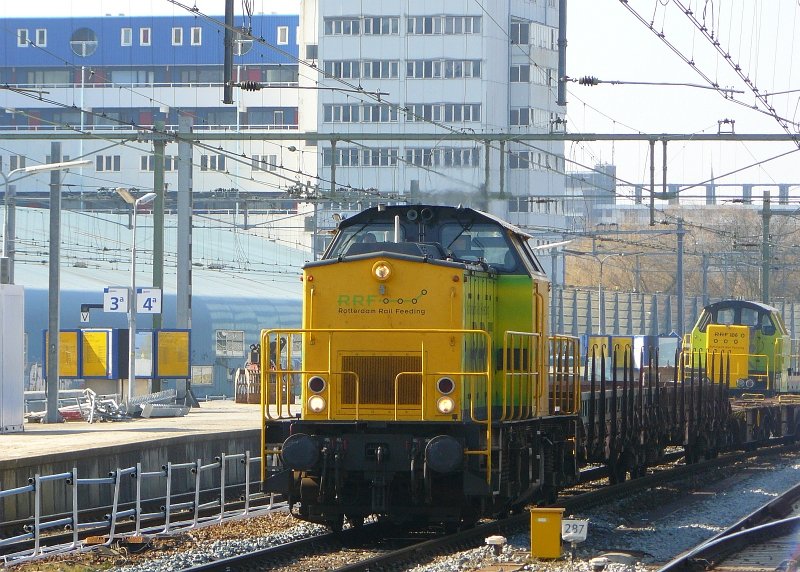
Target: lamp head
[[126, 195], [143, 200]]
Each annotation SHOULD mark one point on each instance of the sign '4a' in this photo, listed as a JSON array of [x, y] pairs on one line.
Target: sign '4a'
[[148, 300]]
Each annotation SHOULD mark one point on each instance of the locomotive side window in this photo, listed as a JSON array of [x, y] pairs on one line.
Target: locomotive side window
[[705, 320]]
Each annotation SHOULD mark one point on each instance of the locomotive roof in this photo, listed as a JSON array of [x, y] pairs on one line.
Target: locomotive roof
[[440, 213], [713, 307]]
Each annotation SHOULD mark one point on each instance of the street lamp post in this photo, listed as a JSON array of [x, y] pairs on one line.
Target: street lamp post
[[134, 202], [9, 232], [10, 198], [600, 306]]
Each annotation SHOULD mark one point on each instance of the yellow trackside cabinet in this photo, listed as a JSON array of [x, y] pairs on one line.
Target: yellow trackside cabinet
[[546, 532], [724, 341], [379, 332]]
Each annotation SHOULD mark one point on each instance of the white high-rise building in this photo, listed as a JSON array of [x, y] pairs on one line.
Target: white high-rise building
[[441, 76]]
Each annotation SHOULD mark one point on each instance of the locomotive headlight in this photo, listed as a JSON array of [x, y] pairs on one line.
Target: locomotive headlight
[[445, 405], [381, 270], [316, 403], [445, 385], [316, 384]]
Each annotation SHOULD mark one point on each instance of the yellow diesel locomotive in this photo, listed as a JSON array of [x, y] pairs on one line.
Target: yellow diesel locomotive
[[423, 386], [749, 337]]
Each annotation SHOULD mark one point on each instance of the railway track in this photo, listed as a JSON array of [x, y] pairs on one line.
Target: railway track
[[423, 548], [757, 540]]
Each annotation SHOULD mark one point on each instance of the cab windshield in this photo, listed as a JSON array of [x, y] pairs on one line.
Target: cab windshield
[[484, 242], [363, 234]]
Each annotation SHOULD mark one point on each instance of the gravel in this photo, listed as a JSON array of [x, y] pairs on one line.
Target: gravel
[[652, 543], [645, 531]]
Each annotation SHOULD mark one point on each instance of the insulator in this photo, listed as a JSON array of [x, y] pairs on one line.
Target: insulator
[[250, 85], [588, 80]]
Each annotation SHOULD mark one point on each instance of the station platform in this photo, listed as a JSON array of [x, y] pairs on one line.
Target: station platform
[[95, 449], [212, 417]]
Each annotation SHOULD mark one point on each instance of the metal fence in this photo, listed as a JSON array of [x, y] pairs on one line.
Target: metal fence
[[172, 515]]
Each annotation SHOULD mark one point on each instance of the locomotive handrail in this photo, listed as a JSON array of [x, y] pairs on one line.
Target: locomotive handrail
[[279, 375], [509, 374], [570, 375], [777, 357]]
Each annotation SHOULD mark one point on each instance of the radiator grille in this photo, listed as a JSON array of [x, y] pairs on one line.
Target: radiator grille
[[377, 374]]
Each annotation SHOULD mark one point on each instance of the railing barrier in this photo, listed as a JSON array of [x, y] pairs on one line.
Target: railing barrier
[[41, 524]]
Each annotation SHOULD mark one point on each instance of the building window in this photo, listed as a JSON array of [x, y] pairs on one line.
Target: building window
[[126, 37], [41, 37], [16, 162], [521, 73], [460, 157], [312, 51], [379, 157], [447, 69], [283, 35], [379, 114], [148, 163], [521, 33], [341, 113], [107, 163], [345, 157], [22, 38], [382, 25], [342, 26], [525, 116], [197, 36], [230, 343], [519, 160], [344, 69], [144, 37], [212, 162], [450, 112], [380, 69], [242, 44], [264, 163], [202, 375], [422, 157], [83, 42], [177, 36], [520, 116], [447, 25]]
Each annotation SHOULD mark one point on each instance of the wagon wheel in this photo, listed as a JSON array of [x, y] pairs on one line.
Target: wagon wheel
[[336, 524], [355, 520], [617, 469]]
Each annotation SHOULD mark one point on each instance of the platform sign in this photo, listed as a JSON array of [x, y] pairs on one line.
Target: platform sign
[[623, 346], [172, 354], [143, 363], [115, 299], [68, 353], [598, 344], [148, 300], [96, 346]]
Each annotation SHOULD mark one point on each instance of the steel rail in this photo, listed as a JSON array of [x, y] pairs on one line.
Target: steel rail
[[475, 536], [764, 523]]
